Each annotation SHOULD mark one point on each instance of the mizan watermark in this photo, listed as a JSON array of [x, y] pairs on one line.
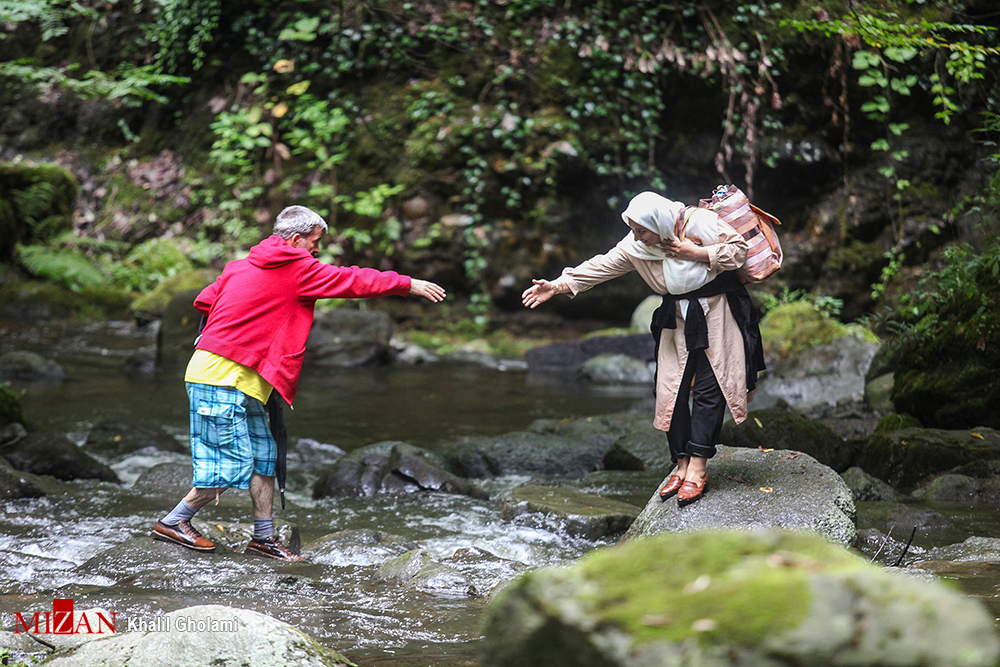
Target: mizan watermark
[[63, 620]]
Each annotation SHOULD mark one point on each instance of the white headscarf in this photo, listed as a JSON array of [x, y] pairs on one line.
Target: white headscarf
[[659, 214]]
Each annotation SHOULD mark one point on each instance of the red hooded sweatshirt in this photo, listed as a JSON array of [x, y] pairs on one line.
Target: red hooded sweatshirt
[[260, 310]]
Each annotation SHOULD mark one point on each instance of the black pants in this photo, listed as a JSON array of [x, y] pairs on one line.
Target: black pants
[[694, 432]]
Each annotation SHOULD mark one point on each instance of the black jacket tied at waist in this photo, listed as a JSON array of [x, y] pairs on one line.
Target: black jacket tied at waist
[[696, 327]]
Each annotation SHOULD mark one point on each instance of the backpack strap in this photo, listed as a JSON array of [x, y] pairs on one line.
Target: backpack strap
[[682, 219]]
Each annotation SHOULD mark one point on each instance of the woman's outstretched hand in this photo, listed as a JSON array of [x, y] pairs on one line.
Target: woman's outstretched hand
[[426, 289], [539, 292]]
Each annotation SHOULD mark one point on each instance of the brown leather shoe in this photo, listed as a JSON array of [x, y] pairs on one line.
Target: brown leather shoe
[[270, 547], [670, 488], [183, 534], [690, 492]]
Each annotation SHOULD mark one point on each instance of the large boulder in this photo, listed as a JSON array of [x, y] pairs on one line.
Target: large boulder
[[617, 369], [51, 453], [29, 367], [566, 358], [578, 514], [203, 636], [783, 428], [347, 338], [154, 303], [950, 395], [906, 457], [402, 470], [769, 598], [524, 452], [17, 484], [822, 374], [752, 489], [117, 438]]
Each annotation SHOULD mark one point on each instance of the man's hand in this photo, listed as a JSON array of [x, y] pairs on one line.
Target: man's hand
[[539, 292], [426, 289]]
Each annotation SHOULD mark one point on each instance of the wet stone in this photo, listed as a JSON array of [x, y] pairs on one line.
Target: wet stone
[[524, 452], [17, 484], [784, 428], [51, 453], [950, 488], [417, 570], [357, 547], [29, 367], [578, 514], [118, 438], [867, 488]]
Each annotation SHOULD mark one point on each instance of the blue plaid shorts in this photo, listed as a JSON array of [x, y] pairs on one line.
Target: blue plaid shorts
[[230, 437]]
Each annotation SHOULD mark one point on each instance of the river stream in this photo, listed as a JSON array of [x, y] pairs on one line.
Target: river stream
[[58, 545]]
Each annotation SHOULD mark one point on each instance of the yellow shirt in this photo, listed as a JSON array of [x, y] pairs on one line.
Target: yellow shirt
[[209, 368]]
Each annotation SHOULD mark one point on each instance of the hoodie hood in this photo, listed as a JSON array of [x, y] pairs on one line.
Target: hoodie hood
[[274, 252]]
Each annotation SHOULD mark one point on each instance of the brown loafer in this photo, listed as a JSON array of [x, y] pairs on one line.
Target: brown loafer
[[183, 534], [690, 492], [670, 488], [270, 547]]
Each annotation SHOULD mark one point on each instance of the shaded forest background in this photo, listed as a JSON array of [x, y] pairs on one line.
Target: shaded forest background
[[480, 144]]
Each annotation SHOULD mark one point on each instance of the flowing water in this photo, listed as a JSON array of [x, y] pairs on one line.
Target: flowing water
[[57, 546], [87, 543]]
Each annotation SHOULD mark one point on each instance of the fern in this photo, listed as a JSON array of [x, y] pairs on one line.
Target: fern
[[61, 266]]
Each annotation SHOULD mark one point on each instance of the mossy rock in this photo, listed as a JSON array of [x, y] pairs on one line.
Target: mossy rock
[[36, 301], [771, 598], [783, 428], [950, 396], [10, 406], [908, 456], [800, 325], [154, 303], [36, 203], [895, 421]]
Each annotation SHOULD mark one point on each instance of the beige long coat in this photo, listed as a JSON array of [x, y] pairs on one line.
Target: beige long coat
[[725, 351]]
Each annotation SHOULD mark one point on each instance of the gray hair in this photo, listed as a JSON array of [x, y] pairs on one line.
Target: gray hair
[[297, 220]]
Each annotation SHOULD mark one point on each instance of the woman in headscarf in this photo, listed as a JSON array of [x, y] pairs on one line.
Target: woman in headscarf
[[707, 338]]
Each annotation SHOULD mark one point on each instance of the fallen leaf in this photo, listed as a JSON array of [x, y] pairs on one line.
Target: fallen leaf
[[766, 449], [758, 422], [977, 435], [766, 489], [220, 528]]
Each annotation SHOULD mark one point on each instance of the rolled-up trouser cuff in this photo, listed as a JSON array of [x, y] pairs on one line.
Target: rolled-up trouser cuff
[[705, 451]]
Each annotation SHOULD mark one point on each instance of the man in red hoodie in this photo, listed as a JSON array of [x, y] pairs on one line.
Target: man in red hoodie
[[260, 311]]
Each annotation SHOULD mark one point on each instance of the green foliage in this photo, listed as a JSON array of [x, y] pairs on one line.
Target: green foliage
[[826, 305], [62, 266], [181, 30], [154, 261], [10, 413], [954, 312], [36, 203]]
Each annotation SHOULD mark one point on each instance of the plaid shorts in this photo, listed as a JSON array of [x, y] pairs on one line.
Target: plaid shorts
[[230, 437]]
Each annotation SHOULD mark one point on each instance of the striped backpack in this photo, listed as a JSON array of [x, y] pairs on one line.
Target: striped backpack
[[756, 226]]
